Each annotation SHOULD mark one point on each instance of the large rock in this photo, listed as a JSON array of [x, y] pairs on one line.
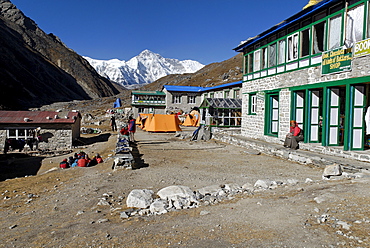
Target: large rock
[[213, 190], [171, 193], [139, 198], [158, 207], [264, 184], [332, 170]]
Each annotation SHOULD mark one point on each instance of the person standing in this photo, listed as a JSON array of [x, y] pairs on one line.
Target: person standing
[[132, 128], [113, 123]]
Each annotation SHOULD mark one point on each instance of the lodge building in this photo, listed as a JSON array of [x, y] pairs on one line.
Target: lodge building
[[313, 67]]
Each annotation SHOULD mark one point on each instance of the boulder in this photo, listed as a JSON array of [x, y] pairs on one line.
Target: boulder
[[139, 198], [171, 193], [332, 170], [158, 206], [264, 184], [213, 190]]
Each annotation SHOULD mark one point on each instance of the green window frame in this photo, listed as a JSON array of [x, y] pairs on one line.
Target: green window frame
[[272, 114], [252, 104]]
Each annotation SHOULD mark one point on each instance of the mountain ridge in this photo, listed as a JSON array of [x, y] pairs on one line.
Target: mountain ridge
[[142, 69]]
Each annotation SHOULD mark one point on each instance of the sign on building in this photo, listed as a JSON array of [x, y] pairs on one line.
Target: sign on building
[[337, 60], [362, 48]]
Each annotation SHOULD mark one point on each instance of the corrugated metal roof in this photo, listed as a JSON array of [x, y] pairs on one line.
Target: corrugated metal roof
[[222, 86], [151, 93], [183, 88], [38, 117], [297, 17], [198, 89]]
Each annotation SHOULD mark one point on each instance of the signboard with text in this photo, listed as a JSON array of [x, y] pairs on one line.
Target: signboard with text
[[337, 60], [362, 48]]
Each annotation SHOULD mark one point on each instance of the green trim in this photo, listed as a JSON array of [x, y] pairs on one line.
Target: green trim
[[149, 93], [347, 120]]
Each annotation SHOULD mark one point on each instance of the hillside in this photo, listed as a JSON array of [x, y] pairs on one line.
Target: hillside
[[211, 75], [37, 68]]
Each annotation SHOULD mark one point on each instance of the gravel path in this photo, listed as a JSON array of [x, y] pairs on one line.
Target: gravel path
[[59, 208]]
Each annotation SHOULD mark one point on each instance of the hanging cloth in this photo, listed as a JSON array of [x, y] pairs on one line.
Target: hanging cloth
[[367, 120]]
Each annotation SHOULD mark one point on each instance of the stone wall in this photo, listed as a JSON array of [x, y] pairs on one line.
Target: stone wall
[[253, 125]]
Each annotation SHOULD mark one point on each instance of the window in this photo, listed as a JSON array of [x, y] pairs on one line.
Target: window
[[281, 57], [20, 133], [292, 47], [264, 58], [318, 38], [191, 99], [252, 104], [237, 94], [305, 42], [176, 99], [335, 32], [212, 95], [227, 94], [257, 60], [272, 55], [151, 110], [141, 110], [355, 25], [250, 63]]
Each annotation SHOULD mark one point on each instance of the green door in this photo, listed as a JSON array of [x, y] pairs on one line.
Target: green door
[[333, 117], [357, 117]]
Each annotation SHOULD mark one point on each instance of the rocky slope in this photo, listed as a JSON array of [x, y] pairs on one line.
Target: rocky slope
[[37, 68], [227, 71], [142, 69]]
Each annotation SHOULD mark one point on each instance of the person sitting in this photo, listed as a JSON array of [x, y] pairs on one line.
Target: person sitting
[[124, 132], [64, 164], [82, 162], [294, 136], [92, 162], [75, 163]]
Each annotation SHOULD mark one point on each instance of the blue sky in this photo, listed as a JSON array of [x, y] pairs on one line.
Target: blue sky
[[201, 30]]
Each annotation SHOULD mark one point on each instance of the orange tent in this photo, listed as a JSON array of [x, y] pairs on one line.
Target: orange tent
[[163, 123], [146, 117], [192, 119]]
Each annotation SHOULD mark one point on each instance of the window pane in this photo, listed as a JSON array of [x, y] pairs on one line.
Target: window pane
[[293, 47], [355, 21], [305, 43], [281, 58], [257, 60], [264, 58], [250, 63], [318, 38], [334, 32], [272, 55]]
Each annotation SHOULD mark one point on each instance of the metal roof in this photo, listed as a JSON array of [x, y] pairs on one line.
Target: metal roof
[[198, 89], [151, 93], [38, 117], [183, 88], [222, 103], [297, 17]]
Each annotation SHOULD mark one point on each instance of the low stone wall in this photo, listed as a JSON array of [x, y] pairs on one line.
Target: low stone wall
[[307, 154]]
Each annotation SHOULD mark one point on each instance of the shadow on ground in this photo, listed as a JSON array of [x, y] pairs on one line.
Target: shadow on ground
[[18, 165], [139, 162], [91, 140]]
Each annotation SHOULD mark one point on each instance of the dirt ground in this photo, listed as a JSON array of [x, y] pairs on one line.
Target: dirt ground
[[59, 208]]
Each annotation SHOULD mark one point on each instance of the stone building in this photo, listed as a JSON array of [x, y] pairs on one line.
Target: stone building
[[182, 98], [56, 130], [313, 68], [148, 102]]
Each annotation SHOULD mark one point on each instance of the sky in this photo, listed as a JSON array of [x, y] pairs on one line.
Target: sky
[[201, 30]]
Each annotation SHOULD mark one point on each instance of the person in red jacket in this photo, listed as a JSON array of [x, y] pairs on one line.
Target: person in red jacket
[[82, 162], [294, 136]]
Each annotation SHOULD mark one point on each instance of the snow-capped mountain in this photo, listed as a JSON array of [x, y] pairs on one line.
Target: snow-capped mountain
[[142, 69]]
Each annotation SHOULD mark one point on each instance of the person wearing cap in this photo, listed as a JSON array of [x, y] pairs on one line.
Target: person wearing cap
[[294, 136]]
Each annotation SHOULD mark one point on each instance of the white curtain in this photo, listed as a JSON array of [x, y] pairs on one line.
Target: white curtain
[[272, 55], [355, 25], [257, 60], [281, 58], [335, 32]]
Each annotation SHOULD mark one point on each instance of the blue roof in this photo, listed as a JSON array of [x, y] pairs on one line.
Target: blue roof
[[182, 88], [198, 89], [297, 17], [222, 86]]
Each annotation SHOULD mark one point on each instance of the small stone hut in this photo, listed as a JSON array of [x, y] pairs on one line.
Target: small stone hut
[[55, 130]]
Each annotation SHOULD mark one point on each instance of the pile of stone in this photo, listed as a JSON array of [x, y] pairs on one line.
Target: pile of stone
[[176, 197], [123, 156]]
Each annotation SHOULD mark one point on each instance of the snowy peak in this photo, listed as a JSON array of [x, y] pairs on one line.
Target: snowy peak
[[143, 69]]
